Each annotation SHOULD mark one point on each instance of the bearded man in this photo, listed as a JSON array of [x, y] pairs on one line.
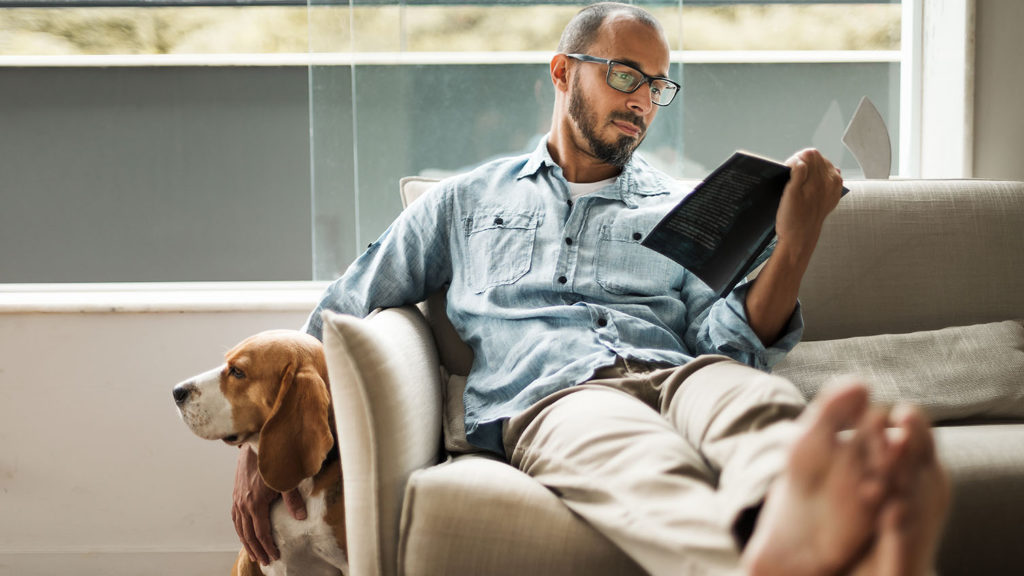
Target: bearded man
[[614, 377]]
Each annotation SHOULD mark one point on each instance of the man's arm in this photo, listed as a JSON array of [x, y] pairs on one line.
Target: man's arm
[[813, 191]]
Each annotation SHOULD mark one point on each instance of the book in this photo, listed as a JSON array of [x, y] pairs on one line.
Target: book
[[725, 228]]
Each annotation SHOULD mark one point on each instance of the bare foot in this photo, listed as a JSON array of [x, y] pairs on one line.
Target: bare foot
[[820, 514], [913, 516]]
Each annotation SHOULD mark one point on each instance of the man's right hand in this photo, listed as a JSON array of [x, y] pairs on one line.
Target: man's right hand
[[250, 509]]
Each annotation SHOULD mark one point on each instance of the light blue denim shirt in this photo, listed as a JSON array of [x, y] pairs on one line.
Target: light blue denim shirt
[[546, 291]]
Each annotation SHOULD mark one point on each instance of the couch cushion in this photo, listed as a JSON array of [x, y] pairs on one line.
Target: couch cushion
[[477, 515], [954, 373], [386, 392], [465, 516], [986, 466]]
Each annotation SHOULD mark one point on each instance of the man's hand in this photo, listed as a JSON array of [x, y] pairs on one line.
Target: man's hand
[[250, 509], [813, 191]]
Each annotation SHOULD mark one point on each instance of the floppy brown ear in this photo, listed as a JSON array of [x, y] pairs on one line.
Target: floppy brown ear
[[296, 438]]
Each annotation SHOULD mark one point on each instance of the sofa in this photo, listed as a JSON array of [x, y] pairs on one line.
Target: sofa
[[918, 286]]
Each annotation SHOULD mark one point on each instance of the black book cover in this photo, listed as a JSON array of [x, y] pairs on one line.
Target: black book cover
[[725, 227]]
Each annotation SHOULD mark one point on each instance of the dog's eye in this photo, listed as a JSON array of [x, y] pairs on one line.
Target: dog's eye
[[235, 373]]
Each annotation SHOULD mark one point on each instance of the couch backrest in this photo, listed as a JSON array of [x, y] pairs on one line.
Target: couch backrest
[[905, 255]]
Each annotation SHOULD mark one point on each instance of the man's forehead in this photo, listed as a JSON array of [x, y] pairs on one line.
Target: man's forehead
[[625, 39]]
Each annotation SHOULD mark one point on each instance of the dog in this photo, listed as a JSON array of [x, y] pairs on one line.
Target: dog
[[272, 394]]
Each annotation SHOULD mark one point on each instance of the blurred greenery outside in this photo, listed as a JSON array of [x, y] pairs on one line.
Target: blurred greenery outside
[[438, 28]]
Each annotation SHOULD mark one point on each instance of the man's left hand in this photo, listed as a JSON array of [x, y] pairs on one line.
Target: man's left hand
[[813, 191]]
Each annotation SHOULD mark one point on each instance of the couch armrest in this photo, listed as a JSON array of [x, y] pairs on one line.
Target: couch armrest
[[386, 391]]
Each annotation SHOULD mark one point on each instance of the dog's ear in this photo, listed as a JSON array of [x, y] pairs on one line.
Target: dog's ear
[[296, 438]]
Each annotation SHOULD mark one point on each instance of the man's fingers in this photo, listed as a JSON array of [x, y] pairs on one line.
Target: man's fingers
[[252, 544], [236, 519], [296, 505], [797, 173], [265, 538]]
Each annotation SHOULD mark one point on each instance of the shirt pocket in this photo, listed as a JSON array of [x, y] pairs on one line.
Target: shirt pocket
[[626, 267], [500, 245]]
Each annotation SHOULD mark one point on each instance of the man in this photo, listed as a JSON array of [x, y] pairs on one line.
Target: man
[[617, 379]]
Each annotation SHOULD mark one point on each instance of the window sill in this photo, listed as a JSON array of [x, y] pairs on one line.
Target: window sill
[[159, 297]]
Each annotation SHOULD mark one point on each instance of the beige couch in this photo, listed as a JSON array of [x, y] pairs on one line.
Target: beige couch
[[919, 285]]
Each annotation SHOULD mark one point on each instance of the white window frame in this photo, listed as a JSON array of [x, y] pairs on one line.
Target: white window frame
[[937, 89]]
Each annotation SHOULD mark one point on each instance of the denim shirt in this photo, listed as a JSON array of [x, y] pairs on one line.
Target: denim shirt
[[544, 290]]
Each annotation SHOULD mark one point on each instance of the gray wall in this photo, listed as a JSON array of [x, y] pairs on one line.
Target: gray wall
[[154, 174], [999, 90]]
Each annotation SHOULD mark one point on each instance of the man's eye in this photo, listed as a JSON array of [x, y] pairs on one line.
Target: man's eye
[[236, 373]]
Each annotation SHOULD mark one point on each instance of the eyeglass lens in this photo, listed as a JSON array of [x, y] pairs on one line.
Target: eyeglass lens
[[627, 79]]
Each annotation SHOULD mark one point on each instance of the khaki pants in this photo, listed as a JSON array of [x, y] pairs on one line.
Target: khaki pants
[[662, 461]]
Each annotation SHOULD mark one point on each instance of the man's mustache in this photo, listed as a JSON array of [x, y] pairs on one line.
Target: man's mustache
[[634, 120]]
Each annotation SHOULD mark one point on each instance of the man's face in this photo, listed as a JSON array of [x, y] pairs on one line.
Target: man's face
[[616, 152], [611, 124]]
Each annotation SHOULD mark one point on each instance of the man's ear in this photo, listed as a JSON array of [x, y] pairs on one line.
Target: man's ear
[[560, 72]]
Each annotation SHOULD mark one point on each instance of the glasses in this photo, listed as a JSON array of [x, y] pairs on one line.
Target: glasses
[[625, 78]]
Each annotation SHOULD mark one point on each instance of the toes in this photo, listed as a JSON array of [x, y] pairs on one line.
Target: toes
[[873, 456], [912, 421], [838, 407]]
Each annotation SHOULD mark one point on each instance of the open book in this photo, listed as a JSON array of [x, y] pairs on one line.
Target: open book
[[725, 228]]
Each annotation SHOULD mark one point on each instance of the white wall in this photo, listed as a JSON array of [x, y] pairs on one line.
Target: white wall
[[154, 174], [998, 90], [98, 475]]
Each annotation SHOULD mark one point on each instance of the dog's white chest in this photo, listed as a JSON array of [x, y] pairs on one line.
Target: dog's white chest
[[308, 547]]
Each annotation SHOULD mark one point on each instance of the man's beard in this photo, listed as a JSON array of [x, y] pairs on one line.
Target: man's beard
[[618, 153]]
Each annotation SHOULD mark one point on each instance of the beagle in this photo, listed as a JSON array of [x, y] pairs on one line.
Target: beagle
[[272, 394]]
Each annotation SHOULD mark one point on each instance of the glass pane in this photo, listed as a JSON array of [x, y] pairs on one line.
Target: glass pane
[[53, 31], [431, 89]]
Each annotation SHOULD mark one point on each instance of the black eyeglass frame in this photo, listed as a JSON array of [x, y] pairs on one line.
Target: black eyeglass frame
[[644, 78]]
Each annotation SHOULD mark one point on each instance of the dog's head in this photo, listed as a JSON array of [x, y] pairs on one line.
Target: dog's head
[[272, 392]]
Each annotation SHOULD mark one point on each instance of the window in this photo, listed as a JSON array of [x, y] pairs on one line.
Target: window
[[154, 140], [432, 88]]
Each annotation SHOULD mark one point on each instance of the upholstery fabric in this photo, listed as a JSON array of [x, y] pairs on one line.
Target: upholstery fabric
[[986, 467], [454, 425], [908, 255], [953, 373], [386, 391], [479, 516]]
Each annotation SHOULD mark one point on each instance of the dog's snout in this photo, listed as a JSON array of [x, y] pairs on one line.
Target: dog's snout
[[182, 392]]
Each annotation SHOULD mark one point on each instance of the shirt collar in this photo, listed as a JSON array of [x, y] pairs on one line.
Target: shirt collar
[[638, 178]]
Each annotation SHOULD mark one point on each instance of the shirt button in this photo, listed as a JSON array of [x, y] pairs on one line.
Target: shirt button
[[562, 279], [602, 322], [569, 202], [568, 241], [498, 221], [637, 236]]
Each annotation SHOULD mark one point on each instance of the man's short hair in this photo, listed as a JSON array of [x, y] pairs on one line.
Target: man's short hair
[[581, 31]]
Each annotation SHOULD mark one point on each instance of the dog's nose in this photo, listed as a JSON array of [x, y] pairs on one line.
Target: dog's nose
[[182, 392]]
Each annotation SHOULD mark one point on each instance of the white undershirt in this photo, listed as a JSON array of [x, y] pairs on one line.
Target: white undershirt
[[578, 189]]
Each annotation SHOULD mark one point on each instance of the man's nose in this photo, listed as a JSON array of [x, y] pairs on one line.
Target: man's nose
[[640, 100]]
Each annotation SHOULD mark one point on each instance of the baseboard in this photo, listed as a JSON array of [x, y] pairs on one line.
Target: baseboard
[[127, 563]]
